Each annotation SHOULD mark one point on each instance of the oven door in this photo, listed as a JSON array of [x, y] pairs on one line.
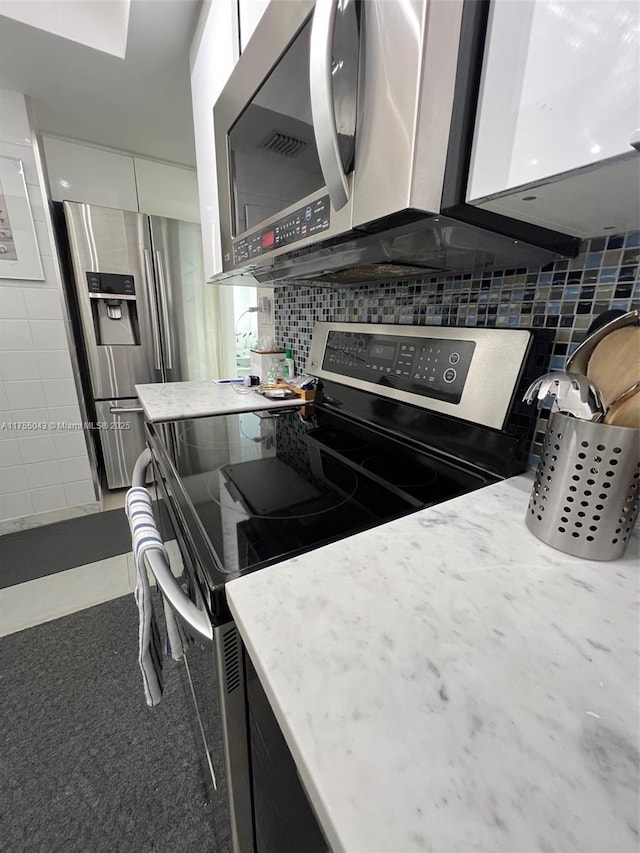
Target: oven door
[[285, 132], [213, 677]]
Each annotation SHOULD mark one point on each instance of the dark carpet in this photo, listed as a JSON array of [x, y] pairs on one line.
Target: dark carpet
[[39, 551], [85, 765]]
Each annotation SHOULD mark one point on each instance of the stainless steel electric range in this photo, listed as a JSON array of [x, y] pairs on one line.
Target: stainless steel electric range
[[404, 417]]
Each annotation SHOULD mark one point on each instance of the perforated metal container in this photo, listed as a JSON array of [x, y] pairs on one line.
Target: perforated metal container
[[585, 496]]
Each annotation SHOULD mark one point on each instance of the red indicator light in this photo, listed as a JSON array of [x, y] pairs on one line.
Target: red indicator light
[[268, 239]]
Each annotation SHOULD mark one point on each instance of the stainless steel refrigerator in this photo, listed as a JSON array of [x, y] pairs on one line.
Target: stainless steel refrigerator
[[137, 284]]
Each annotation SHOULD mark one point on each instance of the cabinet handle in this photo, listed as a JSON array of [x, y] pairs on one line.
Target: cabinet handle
[[121, 410], [634, 142]]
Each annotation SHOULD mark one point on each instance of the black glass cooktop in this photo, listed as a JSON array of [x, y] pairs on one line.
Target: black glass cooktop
[[256, 488]]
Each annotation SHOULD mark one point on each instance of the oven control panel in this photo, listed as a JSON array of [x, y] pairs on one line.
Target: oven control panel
[[299, 225], [431, 367]]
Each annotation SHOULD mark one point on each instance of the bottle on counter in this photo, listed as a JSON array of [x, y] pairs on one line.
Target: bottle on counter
[[288, 367], [276, 370]]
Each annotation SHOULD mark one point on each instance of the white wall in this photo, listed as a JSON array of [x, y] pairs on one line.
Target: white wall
[[41, 468]]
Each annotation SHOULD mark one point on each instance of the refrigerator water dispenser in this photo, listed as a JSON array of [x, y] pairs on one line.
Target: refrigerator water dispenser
[[113, 306]]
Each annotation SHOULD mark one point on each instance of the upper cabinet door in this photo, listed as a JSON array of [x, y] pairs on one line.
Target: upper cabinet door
[[559, 90], [92, 175], [214, 53], [165, 190]]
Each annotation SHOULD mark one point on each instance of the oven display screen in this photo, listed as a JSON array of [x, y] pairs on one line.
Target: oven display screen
[[431, 367], [384, 352]]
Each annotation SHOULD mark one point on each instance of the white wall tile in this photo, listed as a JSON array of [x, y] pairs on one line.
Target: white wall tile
[[78, 494], [42, 236], [74, 470], [15, 334], [16, 505], [13, 479], [69, 444], [47, 334], [15, 150], [54, 364], [42, 474], [43, 303], [15, 125], [33, 347], [7, 96], [51, 497], [60, 392], [19, 365], [65, 415], [9, 452], [39, 448], [25, 395], [37, 420], [12, 305], [49, 267]]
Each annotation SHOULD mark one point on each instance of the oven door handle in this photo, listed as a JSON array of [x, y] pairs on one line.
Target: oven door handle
[[195, 618]]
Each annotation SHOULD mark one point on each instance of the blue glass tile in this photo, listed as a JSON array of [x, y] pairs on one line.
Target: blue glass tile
[[628, 274], [553, 307], [545, 278], [607, 275], [632, 239], [594, 259], [571, 292]]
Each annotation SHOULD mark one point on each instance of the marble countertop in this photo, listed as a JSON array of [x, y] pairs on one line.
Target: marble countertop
[[447, 682], [171, 401]]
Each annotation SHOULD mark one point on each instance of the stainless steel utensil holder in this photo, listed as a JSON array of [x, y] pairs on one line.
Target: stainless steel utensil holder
[[585, 496]]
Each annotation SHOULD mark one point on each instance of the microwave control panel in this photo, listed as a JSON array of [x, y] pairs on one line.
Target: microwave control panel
[[431, 367], [307, 220]]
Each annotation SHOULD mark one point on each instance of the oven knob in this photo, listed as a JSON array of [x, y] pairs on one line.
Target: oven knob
[[454, 358], [449, 375]]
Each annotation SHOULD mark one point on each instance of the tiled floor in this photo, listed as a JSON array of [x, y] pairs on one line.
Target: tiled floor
[[37, 601]]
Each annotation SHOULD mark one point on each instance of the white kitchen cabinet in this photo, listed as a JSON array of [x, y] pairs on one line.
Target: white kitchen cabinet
[[250, 13], [214, 52], [558, 104], [93, 175], [166, 190]]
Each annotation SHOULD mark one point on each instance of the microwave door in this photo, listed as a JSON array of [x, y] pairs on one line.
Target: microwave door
[[333, 77]]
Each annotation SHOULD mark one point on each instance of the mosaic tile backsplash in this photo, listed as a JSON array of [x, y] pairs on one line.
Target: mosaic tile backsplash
[[564, 296]]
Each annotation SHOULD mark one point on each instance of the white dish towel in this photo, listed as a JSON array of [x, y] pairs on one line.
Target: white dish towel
[[145, 536]]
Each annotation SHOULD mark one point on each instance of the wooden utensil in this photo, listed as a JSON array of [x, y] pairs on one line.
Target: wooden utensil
[[625, 411], [614, 365]]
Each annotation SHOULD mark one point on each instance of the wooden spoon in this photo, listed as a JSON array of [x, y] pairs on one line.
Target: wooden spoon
[[614, 365], [625, 411]]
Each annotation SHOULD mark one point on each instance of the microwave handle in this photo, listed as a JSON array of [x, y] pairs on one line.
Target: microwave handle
[[324, 123]]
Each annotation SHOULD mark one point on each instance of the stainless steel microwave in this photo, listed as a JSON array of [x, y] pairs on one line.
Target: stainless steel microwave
[[343, 139]]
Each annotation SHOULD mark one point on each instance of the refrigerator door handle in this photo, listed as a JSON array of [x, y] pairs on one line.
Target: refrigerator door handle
[[164, 311], [153, 310]]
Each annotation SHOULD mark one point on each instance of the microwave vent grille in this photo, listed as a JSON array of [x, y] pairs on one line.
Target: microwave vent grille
[[284, 144]]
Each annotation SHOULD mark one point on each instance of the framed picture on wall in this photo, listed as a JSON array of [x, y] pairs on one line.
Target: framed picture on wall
[[19, 254]]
